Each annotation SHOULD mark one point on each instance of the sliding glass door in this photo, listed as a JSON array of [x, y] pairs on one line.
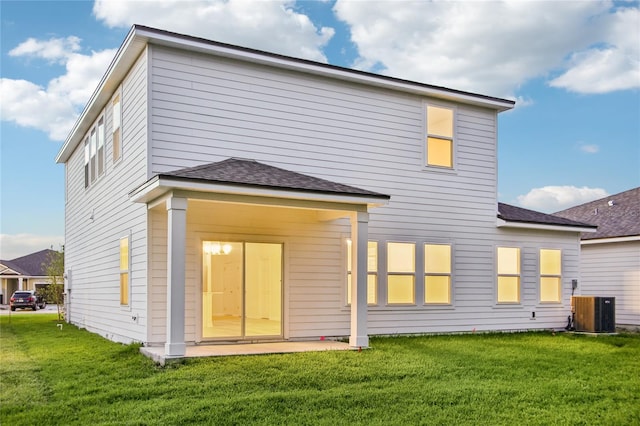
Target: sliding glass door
[[241, 290]]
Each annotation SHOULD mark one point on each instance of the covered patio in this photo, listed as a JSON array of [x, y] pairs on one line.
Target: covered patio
[[242, 182]]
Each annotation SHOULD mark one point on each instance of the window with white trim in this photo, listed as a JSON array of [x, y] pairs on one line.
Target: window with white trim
[[87, 158], [437, 273], [401, 273], [116, 129], [94, 161], [439, 137], [550, 275], [508, 267], [125, 257], [100, 154], [372, 272], [93, 147]]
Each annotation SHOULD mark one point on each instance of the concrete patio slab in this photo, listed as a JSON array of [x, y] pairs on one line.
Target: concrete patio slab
[[157, 353]]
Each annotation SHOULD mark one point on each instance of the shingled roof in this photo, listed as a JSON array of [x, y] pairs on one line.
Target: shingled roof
[[30, 265], [511, 213], [236, 171], [616, 215]]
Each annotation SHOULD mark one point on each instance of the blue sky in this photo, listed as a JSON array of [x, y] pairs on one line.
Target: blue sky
[[573, 67]]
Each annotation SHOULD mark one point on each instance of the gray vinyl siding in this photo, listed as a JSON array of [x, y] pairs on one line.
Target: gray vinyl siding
[[92, 246], [613, 270], [205, 109]]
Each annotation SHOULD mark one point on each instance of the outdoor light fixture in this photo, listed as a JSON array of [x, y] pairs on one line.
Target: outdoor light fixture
[[215, 248]]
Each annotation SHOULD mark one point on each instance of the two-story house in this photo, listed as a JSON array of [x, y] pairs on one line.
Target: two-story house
[[216, 193]]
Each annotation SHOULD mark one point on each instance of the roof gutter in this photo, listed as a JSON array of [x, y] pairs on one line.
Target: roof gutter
[[159, 186], [501, 223], [610, 240]]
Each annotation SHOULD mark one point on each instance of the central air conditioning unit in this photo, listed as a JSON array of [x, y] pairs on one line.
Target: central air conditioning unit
[[594, 314]]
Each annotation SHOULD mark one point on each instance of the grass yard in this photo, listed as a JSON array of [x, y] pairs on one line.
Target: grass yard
[[50, 376]]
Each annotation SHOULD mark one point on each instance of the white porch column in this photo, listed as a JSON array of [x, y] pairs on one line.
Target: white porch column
[[176, 251], [359, 238], [20, 283]]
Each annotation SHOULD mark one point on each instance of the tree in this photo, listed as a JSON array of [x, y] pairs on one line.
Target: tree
[[54, 268]]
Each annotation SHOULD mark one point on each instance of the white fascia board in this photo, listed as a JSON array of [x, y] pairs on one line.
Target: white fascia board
[[309, 67], [138, 38], [501, 223], [159, 186], [610, 240], [120, 65]]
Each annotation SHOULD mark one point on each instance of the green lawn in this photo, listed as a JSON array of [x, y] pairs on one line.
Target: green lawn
[[51, 376]]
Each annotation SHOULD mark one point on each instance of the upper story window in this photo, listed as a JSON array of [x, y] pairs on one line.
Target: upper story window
[[439, 149], [437, 273], [372, 272], [508, 260], [87, 157], [401, 273], [116, 127], [550, 275], [100, 154], [94, 153], [93, 146]]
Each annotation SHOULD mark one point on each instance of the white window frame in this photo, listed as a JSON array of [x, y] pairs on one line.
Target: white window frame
[[92, 170], [396, 273], [541, 276], [87, 162], [507, 275], [100, 166], [370, 273], [116, 132], [124, 271], [438, 274], [427, 134]]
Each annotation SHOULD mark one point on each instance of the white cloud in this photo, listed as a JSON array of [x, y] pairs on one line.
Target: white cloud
[[268, 25], [17, 245], [53, 109], [589, 148], [614, 66], [486, 47], [55, 49], [555, 198]]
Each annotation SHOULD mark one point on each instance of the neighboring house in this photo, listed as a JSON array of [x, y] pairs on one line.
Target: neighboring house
[[610, 258], [24, 273], [213, 193]]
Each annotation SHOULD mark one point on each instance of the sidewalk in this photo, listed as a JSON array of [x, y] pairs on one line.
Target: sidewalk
[[49, 309]]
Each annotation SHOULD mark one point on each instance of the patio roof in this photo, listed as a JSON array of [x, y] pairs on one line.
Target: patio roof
[[249, 177]]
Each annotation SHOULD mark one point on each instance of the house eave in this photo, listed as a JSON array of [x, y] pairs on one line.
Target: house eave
[[610, 240], [159, 186], [139, 36], [124, 58], [501, 223], [169, 39]]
